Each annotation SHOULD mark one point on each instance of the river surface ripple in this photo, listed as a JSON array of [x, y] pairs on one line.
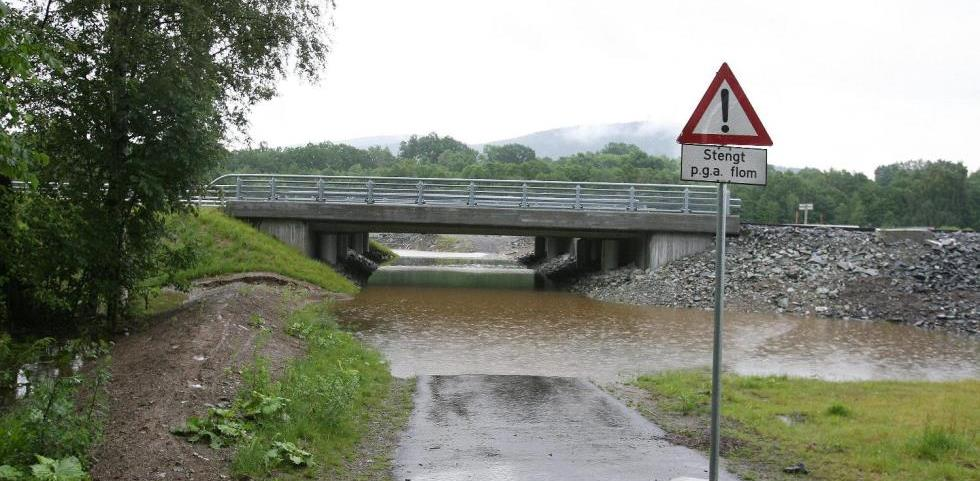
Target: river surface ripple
[[487, 331]]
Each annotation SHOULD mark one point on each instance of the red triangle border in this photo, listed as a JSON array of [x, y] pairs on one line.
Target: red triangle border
[[689, 137]]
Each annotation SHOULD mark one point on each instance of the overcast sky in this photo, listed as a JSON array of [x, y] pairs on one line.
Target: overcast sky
[[844, 84]]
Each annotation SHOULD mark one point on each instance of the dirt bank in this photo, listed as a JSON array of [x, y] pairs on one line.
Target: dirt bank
[[182, 363], [190, 359], [824, 272]]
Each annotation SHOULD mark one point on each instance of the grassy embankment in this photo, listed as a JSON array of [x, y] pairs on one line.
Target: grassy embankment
[[385, 252], [223, 245], [229, 246], [873, 430], [330, 396]]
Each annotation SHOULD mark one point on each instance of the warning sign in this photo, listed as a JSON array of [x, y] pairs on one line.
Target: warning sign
[[714, 163], [724, 116]]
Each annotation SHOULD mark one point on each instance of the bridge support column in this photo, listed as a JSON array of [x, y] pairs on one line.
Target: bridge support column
[[359, 242], [556, 246], [295, 233], [332, 247], [660, 248], [540, 250], [587, 253], [328, 248], [610, 254]]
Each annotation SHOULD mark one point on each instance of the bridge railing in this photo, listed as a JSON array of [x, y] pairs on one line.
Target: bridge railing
[[701, 199]]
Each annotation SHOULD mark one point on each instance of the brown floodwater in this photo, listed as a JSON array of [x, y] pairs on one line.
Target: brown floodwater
[[424, 330]]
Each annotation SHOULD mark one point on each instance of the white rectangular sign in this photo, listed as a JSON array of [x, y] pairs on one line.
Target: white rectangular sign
[[806, 206], [714, 163]]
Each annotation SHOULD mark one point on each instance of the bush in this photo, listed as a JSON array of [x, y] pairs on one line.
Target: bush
[[62, 413]]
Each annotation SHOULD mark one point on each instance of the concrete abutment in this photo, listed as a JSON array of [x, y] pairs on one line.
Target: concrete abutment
[[645, 251], [329, 247]]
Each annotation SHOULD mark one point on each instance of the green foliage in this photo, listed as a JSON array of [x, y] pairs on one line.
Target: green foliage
[[65, 469], [509, 153], [287, 452], [330, 390], [259, 405], [224, 245], [10, 473], [63, 412], [216, 429], [431, 147], [19, 49], [379, 252], [136, 100]]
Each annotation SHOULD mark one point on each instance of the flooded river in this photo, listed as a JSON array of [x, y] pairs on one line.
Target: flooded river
[[453, 330]]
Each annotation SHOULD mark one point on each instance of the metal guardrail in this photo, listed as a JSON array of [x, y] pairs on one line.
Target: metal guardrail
[[516, 194]]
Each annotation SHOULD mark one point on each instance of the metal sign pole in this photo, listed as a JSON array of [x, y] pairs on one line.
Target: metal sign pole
[[719, 313]]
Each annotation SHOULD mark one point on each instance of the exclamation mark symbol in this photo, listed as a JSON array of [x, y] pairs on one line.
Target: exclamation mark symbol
[[724, 109]]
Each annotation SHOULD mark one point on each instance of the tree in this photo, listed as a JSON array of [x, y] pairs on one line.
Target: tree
[[18, 51], [509, 153], [428, 148], [147, 92]]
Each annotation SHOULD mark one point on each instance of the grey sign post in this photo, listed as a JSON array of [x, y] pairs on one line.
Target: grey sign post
[[722, 120], [719, 314]]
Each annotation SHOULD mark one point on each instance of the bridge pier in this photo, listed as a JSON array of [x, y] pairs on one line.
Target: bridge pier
[[540, 247], [610, 254], [587, 253], [556, 246]]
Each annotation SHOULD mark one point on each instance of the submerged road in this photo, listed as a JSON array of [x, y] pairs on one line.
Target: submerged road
[[497, 428]]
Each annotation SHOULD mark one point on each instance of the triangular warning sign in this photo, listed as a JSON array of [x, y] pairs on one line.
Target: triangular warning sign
[[724, 116]]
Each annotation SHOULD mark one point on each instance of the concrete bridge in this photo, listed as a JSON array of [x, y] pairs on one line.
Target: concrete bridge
[[603, 225]]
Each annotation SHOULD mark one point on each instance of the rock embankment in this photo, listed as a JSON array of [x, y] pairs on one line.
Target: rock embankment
[[819, 271]]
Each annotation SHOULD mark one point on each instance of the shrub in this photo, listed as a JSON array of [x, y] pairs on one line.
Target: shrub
[[936, 442], [838, 409]]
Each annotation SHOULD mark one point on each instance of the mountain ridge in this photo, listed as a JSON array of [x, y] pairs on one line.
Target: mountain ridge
[[564, 141]]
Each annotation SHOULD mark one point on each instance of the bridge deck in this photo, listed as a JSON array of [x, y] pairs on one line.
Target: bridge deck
[[471, 206]]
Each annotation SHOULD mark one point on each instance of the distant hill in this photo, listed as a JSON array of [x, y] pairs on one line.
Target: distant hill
[[555, 143], [391, 142], [565, 141]]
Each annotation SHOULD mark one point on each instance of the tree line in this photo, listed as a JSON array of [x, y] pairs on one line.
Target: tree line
[[913, 193]]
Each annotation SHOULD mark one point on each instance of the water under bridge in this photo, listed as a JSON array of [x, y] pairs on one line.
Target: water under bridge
[[603, 225]]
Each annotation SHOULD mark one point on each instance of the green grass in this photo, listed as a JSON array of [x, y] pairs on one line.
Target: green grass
[[226, 246], [875, 430], [156, 302], [384, 250], [333, 394]]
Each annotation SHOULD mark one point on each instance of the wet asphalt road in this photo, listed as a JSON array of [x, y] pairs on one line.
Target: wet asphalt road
[[496, 428]]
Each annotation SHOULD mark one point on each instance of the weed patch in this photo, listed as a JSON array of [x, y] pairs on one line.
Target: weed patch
[[309, 421], [937, 443], [838, 409]]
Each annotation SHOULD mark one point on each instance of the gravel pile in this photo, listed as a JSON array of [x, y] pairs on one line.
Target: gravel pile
[[824, 272]]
